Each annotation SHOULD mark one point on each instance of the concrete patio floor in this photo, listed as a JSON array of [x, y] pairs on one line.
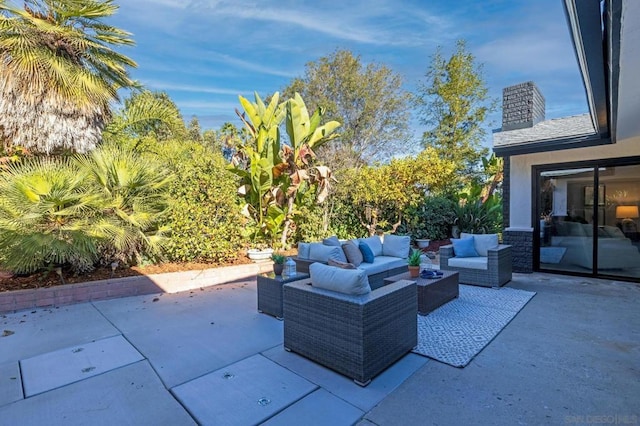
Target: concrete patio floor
[[571, 356]]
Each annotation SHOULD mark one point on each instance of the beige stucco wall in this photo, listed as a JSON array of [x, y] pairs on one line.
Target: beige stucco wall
[[520, 196]]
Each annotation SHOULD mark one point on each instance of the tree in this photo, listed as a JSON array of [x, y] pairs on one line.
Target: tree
[[369, 102], [59, 73], [454, 103], [194, 130], [146, 117], [382, 192]]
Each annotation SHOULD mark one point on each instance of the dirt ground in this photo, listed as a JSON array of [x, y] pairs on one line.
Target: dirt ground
[[8, 282]]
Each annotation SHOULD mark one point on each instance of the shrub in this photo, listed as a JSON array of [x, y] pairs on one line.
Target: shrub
[[430, 219], [204, 219], [134, 189], [48, 216]]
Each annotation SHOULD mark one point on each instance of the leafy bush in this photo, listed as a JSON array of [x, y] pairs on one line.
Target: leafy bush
[[48, 216], [431, 219], [473, 215], [77, 211], [134, 189], [204, 220]]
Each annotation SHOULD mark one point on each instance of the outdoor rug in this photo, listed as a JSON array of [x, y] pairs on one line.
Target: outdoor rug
[[457, 331]]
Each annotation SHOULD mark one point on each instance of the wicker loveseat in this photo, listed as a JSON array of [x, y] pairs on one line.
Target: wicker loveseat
[[490, 268], [390, 257], [356, 335]]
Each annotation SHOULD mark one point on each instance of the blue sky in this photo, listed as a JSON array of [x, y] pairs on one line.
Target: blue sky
[[204, 53]]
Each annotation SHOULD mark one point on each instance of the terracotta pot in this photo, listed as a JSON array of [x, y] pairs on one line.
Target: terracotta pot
[[414, 271], [278, 268]]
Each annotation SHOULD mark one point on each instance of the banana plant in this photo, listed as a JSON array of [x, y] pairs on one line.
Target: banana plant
[[272, 173], [305, 133], [256, 162]]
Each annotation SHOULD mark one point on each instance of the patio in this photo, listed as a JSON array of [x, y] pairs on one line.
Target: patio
[[570, 356]]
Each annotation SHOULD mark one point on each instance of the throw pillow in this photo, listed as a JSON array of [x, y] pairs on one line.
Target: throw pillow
[[303, 250], [463, 247], [374, 243], [353, 253], [343, 265], [396, 246], [367, 253], [348, 281], [331, 241], [321, 253], [482, 242]]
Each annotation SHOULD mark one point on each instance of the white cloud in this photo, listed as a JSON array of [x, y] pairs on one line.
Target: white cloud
[[168, 85]]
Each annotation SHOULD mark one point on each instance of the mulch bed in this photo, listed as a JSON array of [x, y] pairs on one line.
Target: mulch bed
[[51, 279]]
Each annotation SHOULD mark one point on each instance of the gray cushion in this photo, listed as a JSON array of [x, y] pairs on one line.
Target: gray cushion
[[303, 250], [348, 281], [343, 265], [396, 246], [353, 253], [331, 241], [321, 253], [483, 242], [374, 243]]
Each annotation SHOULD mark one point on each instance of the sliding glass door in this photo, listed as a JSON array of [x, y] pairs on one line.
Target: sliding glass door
[[588, 219]]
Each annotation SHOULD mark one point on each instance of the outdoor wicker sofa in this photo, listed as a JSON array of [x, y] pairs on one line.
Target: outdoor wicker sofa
[[496, 273], [356, 335], [376, 280]]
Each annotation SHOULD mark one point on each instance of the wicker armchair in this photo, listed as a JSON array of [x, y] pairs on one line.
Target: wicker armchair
[[358, 336], [498, 271]]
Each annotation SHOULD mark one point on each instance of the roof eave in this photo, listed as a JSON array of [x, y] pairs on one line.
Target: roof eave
[[551, 145], [585, 25]]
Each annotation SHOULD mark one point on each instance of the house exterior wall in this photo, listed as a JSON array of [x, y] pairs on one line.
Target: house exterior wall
[[519, 228], [520, 173]]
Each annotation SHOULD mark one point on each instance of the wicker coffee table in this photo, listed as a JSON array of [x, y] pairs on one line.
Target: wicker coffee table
[[432, 293], [270, 292]]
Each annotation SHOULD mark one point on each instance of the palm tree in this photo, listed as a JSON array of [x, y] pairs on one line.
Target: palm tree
[[59, 73]]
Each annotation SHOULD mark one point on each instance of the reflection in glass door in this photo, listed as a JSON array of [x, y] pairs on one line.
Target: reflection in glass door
[[618, 237], [567, 208]]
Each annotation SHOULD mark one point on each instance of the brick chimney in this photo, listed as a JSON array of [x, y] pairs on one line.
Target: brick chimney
[[522, 106]]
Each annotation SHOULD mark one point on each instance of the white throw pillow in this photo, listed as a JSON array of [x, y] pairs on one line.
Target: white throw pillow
[[396, 246], [374, 243], [483, 242], [321, 253], [347, 281], [303, 250]]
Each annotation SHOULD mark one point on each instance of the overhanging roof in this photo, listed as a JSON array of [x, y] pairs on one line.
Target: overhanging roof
[[595, 28]]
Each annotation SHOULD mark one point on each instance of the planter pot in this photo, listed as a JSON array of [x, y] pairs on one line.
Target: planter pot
[[414, 271], [455, 231], [423, 243], [258, 255], [278, 268]]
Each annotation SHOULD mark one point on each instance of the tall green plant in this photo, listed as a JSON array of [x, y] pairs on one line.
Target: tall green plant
[[476, 214], [275, 177]]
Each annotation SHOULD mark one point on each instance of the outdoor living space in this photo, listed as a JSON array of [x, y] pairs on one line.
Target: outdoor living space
[[208, 356]]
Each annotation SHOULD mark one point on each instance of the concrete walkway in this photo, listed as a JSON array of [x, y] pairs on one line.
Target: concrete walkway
[[571, 356]]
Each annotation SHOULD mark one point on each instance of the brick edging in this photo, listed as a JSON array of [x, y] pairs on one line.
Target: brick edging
[[12, 301]]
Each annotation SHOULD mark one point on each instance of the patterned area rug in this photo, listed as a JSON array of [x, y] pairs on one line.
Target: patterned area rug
[[457, 331]]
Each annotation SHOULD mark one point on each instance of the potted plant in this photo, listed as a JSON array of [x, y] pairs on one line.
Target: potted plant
[[278, 263], [414, 263]]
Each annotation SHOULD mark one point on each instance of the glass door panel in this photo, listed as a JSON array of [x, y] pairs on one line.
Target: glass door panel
[[618, 239], [568, 209]]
